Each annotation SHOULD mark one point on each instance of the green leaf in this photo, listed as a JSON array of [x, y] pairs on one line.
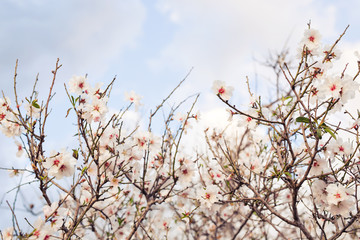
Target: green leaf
[[276, 173], [319, 133], [35, 104], [184, 215], [288, 102], [302, 119], [75, 153], [67, 112], [120, 220], [83, 170], [330, 131], [227, 184]]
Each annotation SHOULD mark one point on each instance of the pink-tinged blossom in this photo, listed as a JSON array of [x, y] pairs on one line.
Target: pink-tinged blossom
[[141, 140], [114, 182], [85, 197], [162, 222], [184, 119], [286, 196], [249, 121], [314, 93], [180, 116], [254, 165], [4, 108], [335, 54], [109, 137], [106, 161], [78, 85], [50, 210], [2, 115], [83, 101], [10, 127], [20, 149], [220, 89], [349, 88], [339, 199], [311, 41], [111, 212], [318, 70], [147, 139], [15, 172], [92, 170], [96, 110], [311, 36], [208, 195], [7, 234], [186, 174], [96, 91], [4, 104], [165, 223], [56, 214], [41, 231], [157, 161], [319, 166], [339, 147], [319, 192], [60, 165], [331, 88], [336, 193], [128, 154], [230, 114], [133, 98], [197, 116], [342, 208]]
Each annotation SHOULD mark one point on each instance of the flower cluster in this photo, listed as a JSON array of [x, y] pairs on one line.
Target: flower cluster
[[60, 165], [8, 122]]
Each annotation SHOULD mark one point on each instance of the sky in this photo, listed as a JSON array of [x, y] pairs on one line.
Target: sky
[[150, 46]]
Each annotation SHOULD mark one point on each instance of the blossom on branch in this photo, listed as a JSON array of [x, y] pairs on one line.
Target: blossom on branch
[[61, 164], [78, 85], [223, 91], [133, 98], [96, 110], [311, 42]]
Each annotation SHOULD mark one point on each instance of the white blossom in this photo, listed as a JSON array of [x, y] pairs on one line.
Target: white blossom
[[219, 88]]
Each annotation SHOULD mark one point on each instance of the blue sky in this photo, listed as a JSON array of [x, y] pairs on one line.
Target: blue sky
[[151, 45]]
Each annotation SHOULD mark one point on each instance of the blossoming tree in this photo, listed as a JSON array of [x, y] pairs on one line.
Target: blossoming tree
[[285, 169]]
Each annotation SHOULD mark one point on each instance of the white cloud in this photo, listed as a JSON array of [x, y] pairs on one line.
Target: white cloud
[[220, 38], [215, 33], [86, 35], [102, 31]]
